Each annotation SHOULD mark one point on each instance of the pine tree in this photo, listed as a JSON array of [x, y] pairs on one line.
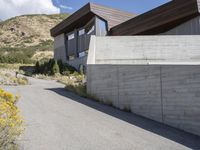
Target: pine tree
[[37, 67], [55, 68]]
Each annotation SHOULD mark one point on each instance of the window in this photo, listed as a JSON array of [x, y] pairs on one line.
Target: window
[[82, 54], [90, 30], [81, 32], [101, 27], [90, 27], [71, 36]]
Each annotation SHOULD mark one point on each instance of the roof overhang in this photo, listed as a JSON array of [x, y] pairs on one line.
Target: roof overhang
[[160, 19], [86, 13]]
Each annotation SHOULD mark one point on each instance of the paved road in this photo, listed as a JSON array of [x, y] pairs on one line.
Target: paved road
[[58, 120]]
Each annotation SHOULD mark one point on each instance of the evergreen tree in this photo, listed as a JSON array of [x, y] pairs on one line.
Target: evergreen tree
[[55, 68], [61, 66], [37, 67]]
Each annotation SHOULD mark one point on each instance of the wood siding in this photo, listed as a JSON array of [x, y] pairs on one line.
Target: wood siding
[[112, 16], [160, 19]]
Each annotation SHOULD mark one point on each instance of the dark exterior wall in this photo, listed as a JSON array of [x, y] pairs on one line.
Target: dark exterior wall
[[191, 27], [66, 48]]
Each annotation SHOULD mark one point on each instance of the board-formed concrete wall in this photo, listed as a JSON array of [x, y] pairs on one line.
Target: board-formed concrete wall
[[121, 72], [59, 48]]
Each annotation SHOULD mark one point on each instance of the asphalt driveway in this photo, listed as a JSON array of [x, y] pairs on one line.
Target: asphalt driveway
[[59, 120]]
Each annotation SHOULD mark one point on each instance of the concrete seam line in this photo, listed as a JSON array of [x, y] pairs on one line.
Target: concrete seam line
[[161, 94], [118, 84], [94, 50]]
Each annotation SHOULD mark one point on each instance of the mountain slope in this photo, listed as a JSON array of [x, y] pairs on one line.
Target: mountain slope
[[28, 30], [23, 38]]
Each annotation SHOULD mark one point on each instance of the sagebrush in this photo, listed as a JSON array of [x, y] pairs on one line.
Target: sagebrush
[[11, 122]]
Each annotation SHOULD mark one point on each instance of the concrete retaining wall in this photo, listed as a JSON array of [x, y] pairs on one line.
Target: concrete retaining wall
[[168, 94], [165, 89]]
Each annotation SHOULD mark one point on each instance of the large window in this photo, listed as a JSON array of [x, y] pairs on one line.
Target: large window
[[84, 35], [71, 45], [101, 27]]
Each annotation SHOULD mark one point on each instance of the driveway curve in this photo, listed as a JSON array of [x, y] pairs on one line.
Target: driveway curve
[[59, 120]]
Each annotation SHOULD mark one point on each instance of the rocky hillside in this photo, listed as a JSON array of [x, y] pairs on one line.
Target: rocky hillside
[[28, 30], [25, 39]]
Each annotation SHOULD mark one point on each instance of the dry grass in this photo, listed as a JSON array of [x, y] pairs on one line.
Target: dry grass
[[74, 82], [42, 54], [13, 67], [9, 78]]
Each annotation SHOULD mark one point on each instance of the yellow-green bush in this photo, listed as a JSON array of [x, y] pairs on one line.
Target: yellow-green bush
[[10, 121]]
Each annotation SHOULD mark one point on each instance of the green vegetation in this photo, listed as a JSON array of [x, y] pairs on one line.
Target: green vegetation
[[63, 73], [21, 40], [53, 67], [11, 123], [23, 55], [79, 89]]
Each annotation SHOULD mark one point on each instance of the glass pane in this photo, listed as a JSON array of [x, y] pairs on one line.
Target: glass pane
[[81, 32], [71, 36]]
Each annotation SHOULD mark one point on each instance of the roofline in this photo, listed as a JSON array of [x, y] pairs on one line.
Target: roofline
[[69, 19], [90, 9], [176, 11]]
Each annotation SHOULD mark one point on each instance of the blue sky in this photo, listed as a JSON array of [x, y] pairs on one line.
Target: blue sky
[[134, 6], [12, 8]]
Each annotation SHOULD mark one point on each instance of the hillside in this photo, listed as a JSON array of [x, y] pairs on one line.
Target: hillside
[[27, 35]]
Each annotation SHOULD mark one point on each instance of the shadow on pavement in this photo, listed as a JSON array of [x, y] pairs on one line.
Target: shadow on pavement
[[176, 135]]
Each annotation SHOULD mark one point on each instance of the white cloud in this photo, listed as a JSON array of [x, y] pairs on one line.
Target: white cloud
[[11, 8], [65, 7]]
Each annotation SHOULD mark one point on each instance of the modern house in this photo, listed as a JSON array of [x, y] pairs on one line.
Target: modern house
[[148, 64], [72, 36]]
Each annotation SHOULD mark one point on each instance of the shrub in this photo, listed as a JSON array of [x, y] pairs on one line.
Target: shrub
[[67, 67], [79, 89], [37, 67], [61, 66], [52, 67], [10, 120], [22, 81], [16, 55], [82, 69], [55, 68]]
